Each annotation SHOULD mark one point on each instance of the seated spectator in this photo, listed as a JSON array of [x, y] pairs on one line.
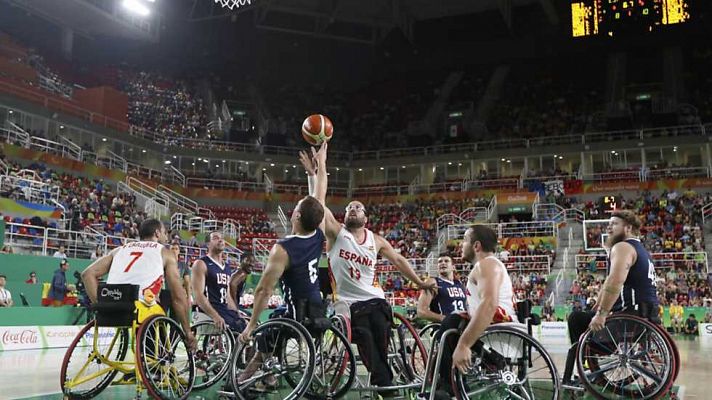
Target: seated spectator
[[5, 296], [676, 313], [6, 249], [691, 326], [60, 253], [98, 253], [32, 279]]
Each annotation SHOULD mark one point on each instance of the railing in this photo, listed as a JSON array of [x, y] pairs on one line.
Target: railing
[[706, 212], [4, 168], [30, 239], [188, 254], [675, 173], [468, 215], [598, 261], [261, 248], [147, 191], [15, 135], [283, 220], [495, 183], [507, 229], [176, 176], [420, 265], [68, 107], [31, 190], [74, 150], [596, 243], [521, 264], [110, 160], [178, 200], [556, 213]]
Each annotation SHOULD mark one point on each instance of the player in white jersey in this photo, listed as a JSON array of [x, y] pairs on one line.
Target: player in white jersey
[[352, 251], [146, 263], [490, 300]]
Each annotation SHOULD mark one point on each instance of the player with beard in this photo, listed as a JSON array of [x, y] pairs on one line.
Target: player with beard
[[628, 288], [353, 251], [435, 305]]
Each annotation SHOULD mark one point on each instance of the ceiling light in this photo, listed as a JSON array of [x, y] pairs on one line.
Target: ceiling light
[[450, 163], [103, 139], [193, 164], [503, 159], [382, 168], [167, 162], [403, 167], [613, 152], [136, 7], [360, 169], [61, 127], [271, 165], [174, 157], [143, 151], [224, 161], [561, 157]]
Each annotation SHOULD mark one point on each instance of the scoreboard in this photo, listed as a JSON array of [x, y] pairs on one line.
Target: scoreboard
[[615, 17]]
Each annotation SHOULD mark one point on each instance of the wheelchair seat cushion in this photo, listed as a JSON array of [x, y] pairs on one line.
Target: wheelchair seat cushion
[[115, 304]]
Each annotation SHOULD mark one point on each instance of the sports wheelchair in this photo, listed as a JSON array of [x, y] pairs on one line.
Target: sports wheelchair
[[507, 363], [311, 359], [630, 358], [161, 361], [407, 355]]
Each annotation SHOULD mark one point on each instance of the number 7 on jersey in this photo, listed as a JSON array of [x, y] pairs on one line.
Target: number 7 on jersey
[[136, 255]]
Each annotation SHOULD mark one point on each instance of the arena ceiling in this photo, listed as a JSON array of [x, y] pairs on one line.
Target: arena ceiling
[[363, 21]]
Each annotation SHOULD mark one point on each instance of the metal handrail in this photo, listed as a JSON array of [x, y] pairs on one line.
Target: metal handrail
[[660, 260]]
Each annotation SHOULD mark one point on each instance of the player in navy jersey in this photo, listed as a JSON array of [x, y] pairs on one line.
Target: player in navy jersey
[[448, 298], [628, 288], [294, 262], [211, 287]]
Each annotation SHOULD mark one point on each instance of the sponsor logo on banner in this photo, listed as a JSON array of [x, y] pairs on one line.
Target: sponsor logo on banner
[[59, 336], [554, 329], [705, 330], [20, 337]]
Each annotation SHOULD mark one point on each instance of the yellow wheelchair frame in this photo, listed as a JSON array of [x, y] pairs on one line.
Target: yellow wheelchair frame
[[144, 315]]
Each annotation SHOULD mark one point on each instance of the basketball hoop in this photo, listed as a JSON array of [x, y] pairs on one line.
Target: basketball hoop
[[232, 4]]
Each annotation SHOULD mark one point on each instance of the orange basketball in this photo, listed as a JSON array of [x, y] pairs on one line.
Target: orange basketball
[[316, 129]]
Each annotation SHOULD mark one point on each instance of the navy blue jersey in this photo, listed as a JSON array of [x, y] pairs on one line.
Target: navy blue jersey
[[450, 298], [301, 278], [217, 281], [639, 285]]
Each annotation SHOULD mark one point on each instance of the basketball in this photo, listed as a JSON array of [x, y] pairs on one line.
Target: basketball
[[316, 129]]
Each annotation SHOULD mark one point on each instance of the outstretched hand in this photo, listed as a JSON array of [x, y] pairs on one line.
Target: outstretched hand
[[319, 157], [308, 162]]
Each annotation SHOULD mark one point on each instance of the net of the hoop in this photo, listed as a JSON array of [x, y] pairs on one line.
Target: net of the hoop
[[233, 3]]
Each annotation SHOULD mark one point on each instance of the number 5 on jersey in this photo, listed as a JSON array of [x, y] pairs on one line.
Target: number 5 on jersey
[[136, 255]]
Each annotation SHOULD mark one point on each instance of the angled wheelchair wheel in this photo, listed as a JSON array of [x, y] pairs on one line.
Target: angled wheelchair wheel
[[410, 355], [427, 334], [335, 368], [85, 372], [282, 348], [628, 359], [507, 363], [163, 359], [213, 354]]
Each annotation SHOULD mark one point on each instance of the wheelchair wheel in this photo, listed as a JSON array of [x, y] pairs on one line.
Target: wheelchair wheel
[[163, 359], [281, 348], [213, 355], [508, 364], [628, 358], [335, 369], [675, 351], [427, 334], [411, 356], [342, 324], [82, 362]]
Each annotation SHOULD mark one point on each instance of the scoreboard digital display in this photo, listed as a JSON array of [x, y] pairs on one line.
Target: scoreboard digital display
[[615, 17]]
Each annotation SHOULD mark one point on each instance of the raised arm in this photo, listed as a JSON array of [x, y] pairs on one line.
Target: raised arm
[[316, 165], [386, 250]]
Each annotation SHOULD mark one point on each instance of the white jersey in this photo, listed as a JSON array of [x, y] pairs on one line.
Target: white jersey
[[139, 263], [505, 307], [353, 266]]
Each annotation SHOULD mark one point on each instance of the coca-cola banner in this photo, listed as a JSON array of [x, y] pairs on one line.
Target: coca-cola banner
[[20, 338], [38, 337]]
